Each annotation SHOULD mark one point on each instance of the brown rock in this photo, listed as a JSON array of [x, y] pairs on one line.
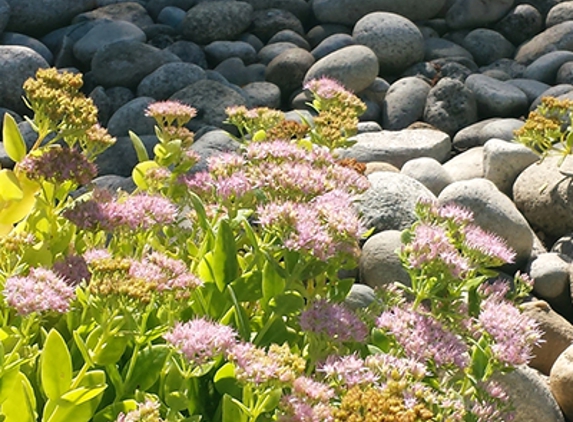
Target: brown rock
[[561, 381]]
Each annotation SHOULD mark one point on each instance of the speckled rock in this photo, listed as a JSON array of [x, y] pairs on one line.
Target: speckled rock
[[168, 79], [379, 261], [270, 51], [188, 52], [544, 68], [288, 35], [559, 13], [129, 11], [404, 103], [331, 44], [395, 40], [486, 46], [436, 48], [4, 14], [497, 98], [476, 13], [217, 51], [263, 94], [288, 69], [268, 22], [131, 116], [558, 37], [521, 23]]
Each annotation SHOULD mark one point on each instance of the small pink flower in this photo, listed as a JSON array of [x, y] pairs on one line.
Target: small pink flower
[[333, 321]]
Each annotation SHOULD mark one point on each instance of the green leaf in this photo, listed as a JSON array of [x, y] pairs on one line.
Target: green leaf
[[55, 366], [223, 261], [7, 383], [139, 147], [271, 400], [225, 381], [12, 139], [233, 410], [273, 283], [150, 362], [288, 303], [82, 394], [381, 340], [10, 189], [139, 172], [111, 412], [20, 405]]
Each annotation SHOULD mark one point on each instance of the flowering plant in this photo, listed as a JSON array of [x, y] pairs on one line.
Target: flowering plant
[[217, 295]]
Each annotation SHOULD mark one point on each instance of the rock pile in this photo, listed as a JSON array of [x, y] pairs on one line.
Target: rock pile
[[446, 83]]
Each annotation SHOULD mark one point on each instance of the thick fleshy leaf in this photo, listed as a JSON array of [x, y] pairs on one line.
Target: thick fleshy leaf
[[139, 171], [139, 147], [12, 138], [21, 404], [56, 366], [10, 189]]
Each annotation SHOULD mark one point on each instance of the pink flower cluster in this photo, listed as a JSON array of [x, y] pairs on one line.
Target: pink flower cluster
[[167, 273], [40, 291], [334, 321]]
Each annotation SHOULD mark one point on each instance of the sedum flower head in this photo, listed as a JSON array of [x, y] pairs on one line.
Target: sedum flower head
[[333, 321], [490, 246], [295, 409], [147, 411], [347, 371], [58, 164], [200, 341], [41, 290], [167, 113], [73, 269]]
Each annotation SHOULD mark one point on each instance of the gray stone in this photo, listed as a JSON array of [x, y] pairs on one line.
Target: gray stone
[[355, 67], [503, 161], [288, 69], [126, 63], [472, 135], [360, 296], [520, 24], [11, 38], [494, 212], [530, 396], [216, 20], [104, 33], [554, 91], [544, 68], [188, 52], [320, 32], [496, 98], [210, 99], [166, 80], [398, 147], [212, 143], [466, 166], [288, 35], [270, 51], [348, 12], [217, 51], [131, 116], [530, 87], [4, 15], [561, 381], [389, 203], [559, 13], [172, 16], [437, 48], [300, 8], [17, 64], [331, 44], [234, 71], [120, 159], [118, 96], [565, 74], [266, 23], [487, 46], [38, 17], [404, 103], [428, 172], [423, 70], [376, 91], [368, 126], [558, 37], [550, 272], [396, 41], [263, 94], [544, 195], [557, 334], [476, 13], [379, 260], [154, 7], [131, 12], [454, 70], [450, 106], [564, 245]]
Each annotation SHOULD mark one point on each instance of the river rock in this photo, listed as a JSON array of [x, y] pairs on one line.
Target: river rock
[[496, 98], [404, 103], [559, 13], [561, 381], [331, 44], [558, 37], [521, 23], [166, 80], [429, 172], [288, 35], [544, 68], [266, 23], [288, 69], [486, 46], [131, 116], [379, 260], [476, 13]]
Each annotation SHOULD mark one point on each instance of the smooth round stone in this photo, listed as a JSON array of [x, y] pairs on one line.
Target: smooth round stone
[[476, 13], [131, 12], [558, 37], [217, 20], [404, 103], [496, 98], [544, 68], [120, 158], [4, 15], [423, 70], [521, 23], [565, 74], [212, 143], [559, 13], [550, 272], [379, 261], [376, 91], [348, 12], [266, 23], [38, 17], [11, 38], [554, 91], [270, 51], [288, 35], [218, 51], [331, 44], [398, 147], [437, 48], [172, 16], [493, 212], [454, 70], [126, 63], [395, 40], [154, 7], [466, 166], [288, 69], [210, 99], [561, 381], [105, 33], [320, 32], [360, 296], [487, 46], [234, 71], [355, 67], [428, 172], [168, 79], [188, 52], [450, 106], [530, 87], [503, 161], [263, 94], [131, 116], [17, 64]]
